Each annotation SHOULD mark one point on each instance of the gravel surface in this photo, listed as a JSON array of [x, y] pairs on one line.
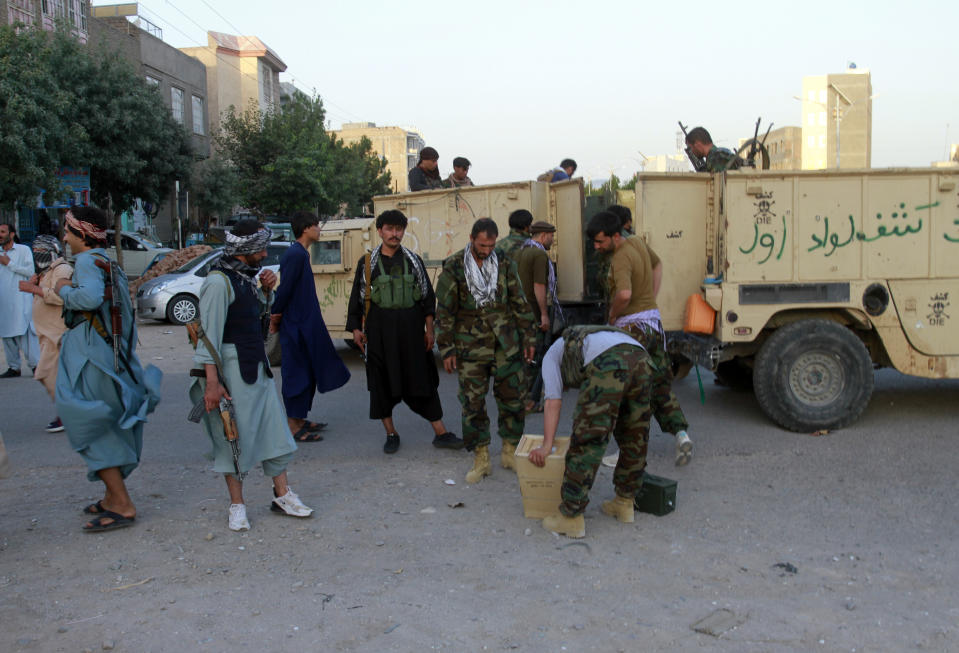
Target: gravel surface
[[780, 541]]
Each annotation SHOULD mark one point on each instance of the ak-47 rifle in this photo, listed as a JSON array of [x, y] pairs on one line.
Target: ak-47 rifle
[[227, 411], [111, 294], [699, 163], [756, 146]]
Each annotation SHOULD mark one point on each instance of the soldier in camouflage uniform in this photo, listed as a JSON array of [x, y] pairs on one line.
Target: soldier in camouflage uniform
[[519, 222], [632, 285], [485, 331], [718, 159], [613, 374]]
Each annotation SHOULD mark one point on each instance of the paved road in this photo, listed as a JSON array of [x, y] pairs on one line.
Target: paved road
[[867, 516]]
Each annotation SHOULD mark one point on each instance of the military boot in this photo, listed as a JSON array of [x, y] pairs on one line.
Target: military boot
[[568, 526], [621, 508], [481, 466], [506, 457]]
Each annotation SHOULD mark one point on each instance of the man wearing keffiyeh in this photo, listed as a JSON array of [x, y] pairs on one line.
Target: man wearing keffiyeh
[[232, 310], [485, 331]]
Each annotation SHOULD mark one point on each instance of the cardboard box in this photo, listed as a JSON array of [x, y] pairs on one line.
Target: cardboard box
[[540, 486], [657, 496]]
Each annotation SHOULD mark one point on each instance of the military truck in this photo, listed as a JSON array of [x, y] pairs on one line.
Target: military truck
[[813, 279], [439, 224]]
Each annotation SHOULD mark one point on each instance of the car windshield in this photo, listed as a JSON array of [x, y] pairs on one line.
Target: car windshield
[[149, 241]]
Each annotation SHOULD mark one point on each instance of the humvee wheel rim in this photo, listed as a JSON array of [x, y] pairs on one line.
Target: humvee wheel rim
[[816, 378]]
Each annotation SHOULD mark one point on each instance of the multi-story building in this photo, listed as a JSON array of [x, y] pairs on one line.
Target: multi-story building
[[837, 120], [785, 148], [400, 147], [239, 70], [45, 13], [181, 81], [666, 163]]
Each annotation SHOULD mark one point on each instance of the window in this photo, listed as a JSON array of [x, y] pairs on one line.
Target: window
[[71, 12], [822, 140], [811, 95], [822, 96], [811, 141], [811, 118], [822, 117], [326, 252], [198, 115], [153, 81], [176, 97], [83, 15]]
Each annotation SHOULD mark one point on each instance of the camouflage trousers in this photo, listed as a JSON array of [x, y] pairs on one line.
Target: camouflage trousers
[[614, 399], [509, 390], [665, 405]]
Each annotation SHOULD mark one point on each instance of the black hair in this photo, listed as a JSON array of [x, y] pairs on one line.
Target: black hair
[[699, 135], [94, 216], [246, 227], [484, 226], [392, 217], [604, 222], [428, 154], [11, 226], [625, 215], [568, 163], [461, 162], [520, 219], [303, 220]]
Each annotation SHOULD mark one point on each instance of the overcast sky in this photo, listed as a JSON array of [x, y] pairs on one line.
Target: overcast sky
[[517, 86]]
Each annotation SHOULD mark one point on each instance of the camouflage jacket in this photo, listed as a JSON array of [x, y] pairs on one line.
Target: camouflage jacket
[[512, 244], [720, 159], [473, 333]]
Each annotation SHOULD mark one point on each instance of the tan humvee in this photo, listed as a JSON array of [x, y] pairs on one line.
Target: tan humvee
[[439, 224], [815, 278]]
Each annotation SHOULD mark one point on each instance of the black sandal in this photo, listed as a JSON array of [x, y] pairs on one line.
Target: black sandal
[[119, 521], [95, 509], [306, 435]]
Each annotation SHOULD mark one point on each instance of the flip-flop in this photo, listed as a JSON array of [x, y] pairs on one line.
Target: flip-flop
[[306, 435], [119, 521], [95, 509], [314, 426]]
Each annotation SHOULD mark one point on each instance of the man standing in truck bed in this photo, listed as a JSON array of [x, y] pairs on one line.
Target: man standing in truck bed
[[485, 331], [718, 159], [634, 278]]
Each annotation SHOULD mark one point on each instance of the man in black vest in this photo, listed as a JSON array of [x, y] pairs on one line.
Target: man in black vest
[[233, 311], [613, 372]]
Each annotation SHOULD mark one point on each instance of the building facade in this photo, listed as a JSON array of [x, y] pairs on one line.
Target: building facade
[[181, 82], [785, 146], [45, 14], [239, 70], [837, 120], [400, 147]]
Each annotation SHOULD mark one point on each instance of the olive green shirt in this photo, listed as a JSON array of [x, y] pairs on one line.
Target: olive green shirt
[[631, 268]]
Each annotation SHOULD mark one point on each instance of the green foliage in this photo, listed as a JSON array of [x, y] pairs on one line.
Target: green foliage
[[63, 103], [287, 162], [214, 185], [608, 188], [631, 184]]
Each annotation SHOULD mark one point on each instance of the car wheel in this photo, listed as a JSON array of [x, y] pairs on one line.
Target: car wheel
[[182, 309], [813, 375]]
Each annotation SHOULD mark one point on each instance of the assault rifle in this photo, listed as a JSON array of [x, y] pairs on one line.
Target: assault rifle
[[756, 147], [227, 411], [111, 294]]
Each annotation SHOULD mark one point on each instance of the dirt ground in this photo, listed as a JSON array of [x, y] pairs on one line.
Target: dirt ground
[[863, 522]]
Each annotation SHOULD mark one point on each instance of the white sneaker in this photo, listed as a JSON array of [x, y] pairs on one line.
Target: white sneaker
[[611, 459], [684, 448], [291, 505], [238, 520]]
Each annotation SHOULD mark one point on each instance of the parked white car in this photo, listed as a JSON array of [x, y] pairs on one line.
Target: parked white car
[[174, 296], [138, 251]]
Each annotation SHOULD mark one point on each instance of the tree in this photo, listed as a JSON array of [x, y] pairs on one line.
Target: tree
[[286, 161], [34, 134], [215, 186], [63, 103]]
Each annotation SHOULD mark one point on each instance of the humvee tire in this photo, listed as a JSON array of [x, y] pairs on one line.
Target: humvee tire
[[813, 375]]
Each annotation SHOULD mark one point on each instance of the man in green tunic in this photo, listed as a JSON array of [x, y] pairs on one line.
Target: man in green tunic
[[232, 315], [718, 159], [519, 222]]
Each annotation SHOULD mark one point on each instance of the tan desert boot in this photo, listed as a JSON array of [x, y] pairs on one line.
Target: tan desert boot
[[621, 508], [569, 526], [481, 466], [506, 457]]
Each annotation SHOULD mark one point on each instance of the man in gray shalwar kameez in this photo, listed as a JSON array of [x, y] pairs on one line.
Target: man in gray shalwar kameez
[[232, 310]]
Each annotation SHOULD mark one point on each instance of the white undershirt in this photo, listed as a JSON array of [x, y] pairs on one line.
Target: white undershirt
[[593, 345]]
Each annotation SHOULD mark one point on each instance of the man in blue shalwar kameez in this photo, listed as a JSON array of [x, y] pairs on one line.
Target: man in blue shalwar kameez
[[102, 408], [309, 361]]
